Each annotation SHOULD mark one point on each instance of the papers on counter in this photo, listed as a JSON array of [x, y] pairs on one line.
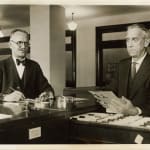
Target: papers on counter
[[5, 116]]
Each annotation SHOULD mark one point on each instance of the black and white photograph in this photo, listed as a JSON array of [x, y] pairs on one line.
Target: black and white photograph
[[74, 75]]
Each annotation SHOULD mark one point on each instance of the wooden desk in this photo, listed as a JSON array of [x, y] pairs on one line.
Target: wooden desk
[[93, 132], [53, 125]]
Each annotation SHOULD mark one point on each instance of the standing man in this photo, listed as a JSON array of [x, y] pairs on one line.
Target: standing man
[[132, 84], [21, 77]]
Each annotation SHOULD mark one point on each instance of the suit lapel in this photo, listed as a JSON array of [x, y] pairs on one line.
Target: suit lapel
[[27, 72], [124, 77], [13, 69], [141, 75]]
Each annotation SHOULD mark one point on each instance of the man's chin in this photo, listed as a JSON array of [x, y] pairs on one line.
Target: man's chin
[[132, 55], [22, 56]]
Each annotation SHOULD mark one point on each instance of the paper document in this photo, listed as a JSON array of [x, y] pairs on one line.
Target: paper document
[[106, 97], [5, 116], [104, 94]]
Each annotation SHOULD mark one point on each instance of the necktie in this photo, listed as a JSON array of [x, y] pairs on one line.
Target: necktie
[[133, 70], [20, 62]]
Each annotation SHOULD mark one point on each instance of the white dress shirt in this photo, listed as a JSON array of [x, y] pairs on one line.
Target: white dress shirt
[[20, 68], [139, 62]]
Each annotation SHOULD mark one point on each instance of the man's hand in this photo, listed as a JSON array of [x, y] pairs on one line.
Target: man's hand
[[118, 105], [104, 101], [44, 96], [47, 96], [124, 106], [14, 96]]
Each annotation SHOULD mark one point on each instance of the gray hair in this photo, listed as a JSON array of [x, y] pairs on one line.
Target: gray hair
[[146, 31], [19, 30]]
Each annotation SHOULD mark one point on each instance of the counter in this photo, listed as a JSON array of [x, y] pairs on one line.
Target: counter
[[81, 124], [91, 131], [47, 126], [92, 128]]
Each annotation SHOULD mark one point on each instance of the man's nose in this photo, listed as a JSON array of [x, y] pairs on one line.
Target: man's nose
[[23, 45], [129, 43]]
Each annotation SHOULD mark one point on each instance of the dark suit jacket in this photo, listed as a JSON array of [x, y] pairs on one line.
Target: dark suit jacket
[[139, 91], [32, 83]]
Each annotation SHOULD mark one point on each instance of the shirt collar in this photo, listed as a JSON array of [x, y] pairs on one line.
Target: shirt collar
[[139, 61], [14, 58]]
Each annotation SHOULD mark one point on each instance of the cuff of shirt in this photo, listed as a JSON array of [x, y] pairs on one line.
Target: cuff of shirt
[[139, 111]]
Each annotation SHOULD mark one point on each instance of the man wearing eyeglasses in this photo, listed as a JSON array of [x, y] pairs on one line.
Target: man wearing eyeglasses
[[21, 77]]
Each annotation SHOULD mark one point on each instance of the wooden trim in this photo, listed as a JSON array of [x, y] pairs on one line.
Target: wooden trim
[[4, 39], [99, 58], [120, 27], [69, 33], [114, 44], [74, 57], [68, 47], [5, 51], [72, 47]]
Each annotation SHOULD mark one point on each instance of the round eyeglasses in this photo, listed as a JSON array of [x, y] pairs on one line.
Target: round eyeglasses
[[20, 43]]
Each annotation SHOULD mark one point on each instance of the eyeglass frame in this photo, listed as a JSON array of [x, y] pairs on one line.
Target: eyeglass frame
[[20, 43]]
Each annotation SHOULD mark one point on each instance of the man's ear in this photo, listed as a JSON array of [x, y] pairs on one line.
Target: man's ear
[[147, 41]]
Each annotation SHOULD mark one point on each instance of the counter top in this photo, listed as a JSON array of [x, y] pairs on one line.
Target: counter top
[[43, 126]]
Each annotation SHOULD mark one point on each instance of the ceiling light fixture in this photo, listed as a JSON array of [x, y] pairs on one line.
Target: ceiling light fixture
[[72, 25]]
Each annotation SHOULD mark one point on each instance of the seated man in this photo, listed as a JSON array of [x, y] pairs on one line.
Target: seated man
[[21, 77], [132, 84]]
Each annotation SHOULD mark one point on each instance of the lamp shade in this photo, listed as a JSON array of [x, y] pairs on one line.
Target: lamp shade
[[72, 25]]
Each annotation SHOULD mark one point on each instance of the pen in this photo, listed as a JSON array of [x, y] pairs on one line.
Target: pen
[[12, 89]]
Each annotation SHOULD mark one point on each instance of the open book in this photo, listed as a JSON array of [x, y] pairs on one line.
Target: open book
[[106, 97]]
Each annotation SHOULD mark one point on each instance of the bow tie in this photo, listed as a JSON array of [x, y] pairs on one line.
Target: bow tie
[[20, 62]]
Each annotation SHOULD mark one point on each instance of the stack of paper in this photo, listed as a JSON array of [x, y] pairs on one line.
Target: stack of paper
[[5, 116]]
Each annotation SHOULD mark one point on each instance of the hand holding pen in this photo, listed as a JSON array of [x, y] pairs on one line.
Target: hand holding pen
[[14, 96], [46, 96]]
